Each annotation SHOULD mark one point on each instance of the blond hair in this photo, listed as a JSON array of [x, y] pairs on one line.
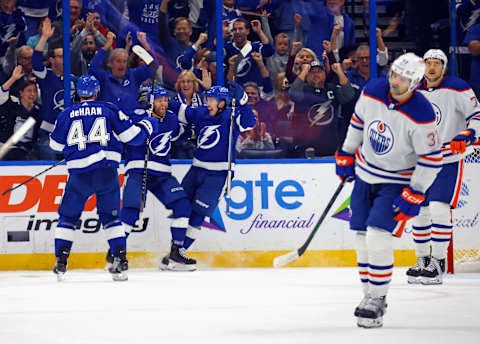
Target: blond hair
[[189, 74]]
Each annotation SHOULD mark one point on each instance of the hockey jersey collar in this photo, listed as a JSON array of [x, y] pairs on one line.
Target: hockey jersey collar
[[393, 104]]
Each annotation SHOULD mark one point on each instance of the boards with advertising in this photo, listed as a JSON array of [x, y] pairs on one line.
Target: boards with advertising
[[274, 206]]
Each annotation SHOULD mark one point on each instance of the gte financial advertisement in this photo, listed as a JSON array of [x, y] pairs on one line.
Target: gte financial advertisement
[[272, 207]]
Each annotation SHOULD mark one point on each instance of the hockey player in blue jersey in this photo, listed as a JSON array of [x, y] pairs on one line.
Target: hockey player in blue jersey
[[205, 180], [393, 141], [160, 181], [458, 119], [90, 135]]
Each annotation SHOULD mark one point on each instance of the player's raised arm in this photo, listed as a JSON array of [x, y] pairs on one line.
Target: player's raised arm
[[244, 116], [132, 134]]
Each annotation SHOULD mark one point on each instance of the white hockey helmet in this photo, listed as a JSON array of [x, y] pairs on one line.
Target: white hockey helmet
[[411, 67], [436, 54]]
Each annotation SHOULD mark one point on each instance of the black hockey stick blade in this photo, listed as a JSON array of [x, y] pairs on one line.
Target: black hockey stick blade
[[294, 255]]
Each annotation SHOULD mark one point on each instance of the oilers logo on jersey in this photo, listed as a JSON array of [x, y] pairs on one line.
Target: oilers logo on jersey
[[160, 144], [381, 137], [321, 114], [438, 113], [209, 136]]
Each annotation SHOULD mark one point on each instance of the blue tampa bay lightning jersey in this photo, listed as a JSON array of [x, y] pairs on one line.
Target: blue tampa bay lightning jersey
[[213, 133], [168, 130], [52, 91], [90, 134]]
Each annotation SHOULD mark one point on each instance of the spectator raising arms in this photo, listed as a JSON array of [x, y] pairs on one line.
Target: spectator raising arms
[[15, 111], [12, 25], [245, 68], [316, 108], [120, 86], [51, 86], [174, 47]]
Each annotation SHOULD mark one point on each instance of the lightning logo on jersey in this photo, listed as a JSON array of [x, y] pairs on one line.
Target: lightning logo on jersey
[[160, 144], [381, 137], [244, 68], [321, 114], [209, 137]]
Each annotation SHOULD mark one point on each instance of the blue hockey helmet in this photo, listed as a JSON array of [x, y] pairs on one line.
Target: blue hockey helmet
[[87, 86], [158, 92], [218, 92]]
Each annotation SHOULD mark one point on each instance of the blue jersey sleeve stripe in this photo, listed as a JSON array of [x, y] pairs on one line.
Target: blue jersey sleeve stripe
[[403, 179], [354, 126], [429, 165], [438, 152], [473, 115]]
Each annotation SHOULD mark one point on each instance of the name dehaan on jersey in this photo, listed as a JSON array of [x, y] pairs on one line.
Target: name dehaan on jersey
[[91, 133]]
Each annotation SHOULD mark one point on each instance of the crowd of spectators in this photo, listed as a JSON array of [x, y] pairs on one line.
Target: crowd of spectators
[[302, 63]]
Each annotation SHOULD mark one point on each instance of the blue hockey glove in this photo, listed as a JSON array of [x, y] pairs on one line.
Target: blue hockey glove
[[149, 124], [459, 143], [236, 91], [345, 165], [407, 205]]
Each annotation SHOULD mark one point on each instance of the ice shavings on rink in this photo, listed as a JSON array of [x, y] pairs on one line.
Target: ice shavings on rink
[[309, 305]]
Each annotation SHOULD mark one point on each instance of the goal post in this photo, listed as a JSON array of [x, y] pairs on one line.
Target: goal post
[[464, 249]]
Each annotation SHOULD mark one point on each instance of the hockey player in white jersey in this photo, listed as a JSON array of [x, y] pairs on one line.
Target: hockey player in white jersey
[[90, 135], [394, 142], [458, 119]]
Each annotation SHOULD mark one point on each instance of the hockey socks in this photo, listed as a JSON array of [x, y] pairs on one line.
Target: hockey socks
[[441, 228], [422, 227], [380, 261]]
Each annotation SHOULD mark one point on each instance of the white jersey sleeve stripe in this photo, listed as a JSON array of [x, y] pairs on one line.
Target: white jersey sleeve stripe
[[181, 113], [94, 158], [42, 74], [129, 134], [56, 146], [239, 123]]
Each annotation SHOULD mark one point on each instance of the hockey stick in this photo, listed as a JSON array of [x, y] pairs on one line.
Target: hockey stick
[[32, 178], [291, 256], [26, 126], [148, 59], [229, 173]]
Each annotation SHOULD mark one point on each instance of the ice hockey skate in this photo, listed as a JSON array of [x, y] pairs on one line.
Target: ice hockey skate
[[370, 312], [108, 260], [433, 273], [61, 265], [119, 268], [413, 273], [178, 260]]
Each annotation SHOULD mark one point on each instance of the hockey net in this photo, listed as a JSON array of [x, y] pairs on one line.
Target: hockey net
[[464, 250]]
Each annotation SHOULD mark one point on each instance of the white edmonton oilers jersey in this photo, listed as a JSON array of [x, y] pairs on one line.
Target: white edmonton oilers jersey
[[394, 142], [454, 104]]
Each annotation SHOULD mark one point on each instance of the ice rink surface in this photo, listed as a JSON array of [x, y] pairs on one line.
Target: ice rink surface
[[310, 305]]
